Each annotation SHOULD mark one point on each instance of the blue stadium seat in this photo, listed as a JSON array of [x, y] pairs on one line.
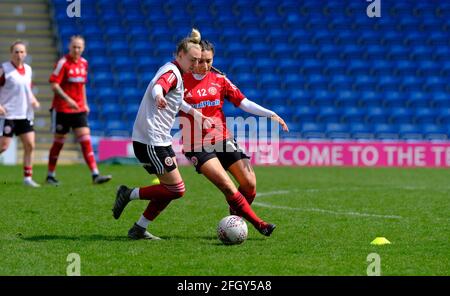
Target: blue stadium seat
[[323, 98], [394, 99], [409, 132], [337, 131], [346, 98], [386, 131], [418, 99], [329, 115], [434, 131], [305, 114], [371, 99], [425, 116], [400, 115], [377, 115], [361, 131], [312, 130], [353, 115], [444, 116]]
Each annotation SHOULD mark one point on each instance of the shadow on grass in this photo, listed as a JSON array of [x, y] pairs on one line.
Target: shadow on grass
[[93, 237], [208, 239], [98, 237]]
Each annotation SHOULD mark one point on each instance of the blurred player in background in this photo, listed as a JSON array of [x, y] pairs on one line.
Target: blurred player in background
[[70, 109], [16, 107], [215, 151], [152, 142]]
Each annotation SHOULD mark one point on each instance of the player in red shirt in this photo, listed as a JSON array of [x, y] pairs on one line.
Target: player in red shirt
[[70, 108], [17, 102], [215, 151]]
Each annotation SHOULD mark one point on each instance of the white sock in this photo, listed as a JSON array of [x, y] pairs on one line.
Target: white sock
[[134, 194], [95, 172], [51, 174], [143, 222], [27, 179]]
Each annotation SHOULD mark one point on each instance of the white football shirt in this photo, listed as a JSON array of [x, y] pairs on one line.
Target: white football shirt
[[15, 94], [152, 125]]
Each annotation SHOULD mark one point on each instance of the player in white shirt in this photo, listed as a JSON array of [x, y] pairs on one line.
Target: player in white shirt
[[16, 107], [152, 141]]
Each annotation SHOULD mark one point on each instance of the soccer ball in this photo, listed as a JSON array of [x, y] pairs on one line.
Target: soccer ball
[[232, 230]]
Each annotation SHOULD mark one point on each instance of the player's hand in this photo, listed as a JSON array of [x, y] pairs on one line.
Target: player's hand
[[2, 110], [35, 104], [281, 121], [87, 109], [161, 102], [208, 122], [72, 104]]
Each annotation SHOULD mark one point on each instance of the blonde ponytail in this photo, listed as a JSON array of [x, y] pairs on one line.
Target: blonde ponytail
[[188, 42]]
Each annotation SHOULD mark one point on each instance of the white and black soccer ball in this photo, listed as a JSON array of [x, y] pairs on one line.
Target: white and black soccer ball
[[232, 230]]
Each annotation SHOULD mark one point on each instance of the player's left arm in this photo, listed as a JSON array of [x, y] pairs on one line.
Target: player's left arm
[[33, 100], [85, 99], [255, 109], [2, 83], [234, 95], [198, 116]]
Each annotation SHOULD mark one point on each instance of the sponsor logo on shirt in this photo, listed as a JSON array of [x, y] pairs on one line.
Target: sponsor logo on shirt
[[204, 104]]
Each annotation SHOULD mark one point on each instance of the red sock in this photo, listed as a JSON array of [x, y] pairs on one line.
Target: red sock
[[249, 195], [160, 196], [154, 208], [162, 192], [58, 143], [88, 153], [27, 171], [240, 205]]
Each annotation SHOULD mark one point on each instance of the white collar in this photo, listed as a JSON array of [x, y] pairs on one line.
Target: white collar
[[198, 76]]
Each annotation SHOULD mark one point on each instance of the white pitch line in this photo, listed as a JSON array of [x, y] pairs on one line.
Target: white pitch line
[[317, 210]]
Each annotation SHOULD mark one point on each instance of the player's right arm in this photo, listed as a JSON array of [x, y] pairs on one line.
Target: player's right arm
[[163, 85], [60, 92], [2, 82], [55, 81]]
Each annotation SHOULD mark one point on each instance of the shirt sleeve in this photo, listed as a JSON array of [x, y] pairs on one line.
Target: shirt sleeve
[[167, 81], [58, 73], [232, 93]]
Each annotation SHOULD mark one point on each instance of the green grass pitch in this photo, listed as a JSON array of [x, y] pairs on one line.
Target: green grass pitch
[[326, 219]]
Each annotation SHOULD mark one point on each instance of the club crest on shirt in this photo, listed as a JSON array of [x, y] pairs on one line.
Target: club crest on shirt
[[168, 161], [212, 90]]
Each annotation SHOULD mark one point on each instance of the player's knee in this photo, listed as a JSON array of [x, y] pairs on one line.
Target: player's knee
[[3, 147], [29, 147], [176, 190], [248, 187]]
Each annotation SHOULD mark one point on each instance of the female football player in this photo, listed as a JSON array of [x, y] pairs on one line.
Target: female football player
[[152, 141], [70, 110], [215, 151], [16, 107]]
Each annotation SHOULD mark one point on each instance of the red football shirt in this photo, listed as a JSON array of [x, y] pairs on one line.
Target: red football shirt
[[207, 96], [71, 76]]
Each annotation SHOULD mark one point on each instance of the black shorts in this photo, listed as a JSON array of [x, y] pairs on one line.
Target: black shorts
[[227, 152], [10, 127], [63, 122], [155, 159]]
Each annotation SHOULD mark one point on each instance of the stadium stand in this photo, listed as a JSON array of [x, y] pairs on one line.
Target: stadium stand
[[324, 66]]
